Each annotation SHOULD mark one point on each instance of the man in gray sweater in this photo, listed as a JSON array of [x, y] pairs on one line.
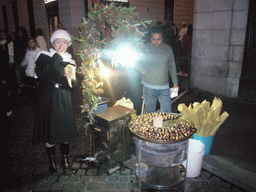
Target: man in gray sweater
[[155, 65]]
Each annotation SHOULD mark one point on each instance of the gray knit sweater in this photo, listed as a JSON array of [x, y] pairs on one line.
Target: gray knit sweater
[[156, 63]]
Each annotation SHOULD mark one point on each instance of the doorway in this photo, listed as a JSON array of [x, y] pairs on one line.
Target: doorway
[[168, 10], [52, 15], [247, 87]]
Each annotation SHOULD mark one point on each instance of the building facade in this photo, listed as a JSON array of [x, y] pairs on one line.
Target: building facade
[[218, 38], [218, 45]]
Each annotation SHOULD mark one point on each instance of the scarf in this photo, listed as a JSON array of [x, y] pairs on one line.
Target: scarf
[[69, 68], [66, 56]]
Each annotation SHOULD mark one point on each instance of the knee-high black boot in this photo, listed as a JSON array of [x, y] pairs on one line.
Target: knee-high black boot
[[64, 149], [52, 161]]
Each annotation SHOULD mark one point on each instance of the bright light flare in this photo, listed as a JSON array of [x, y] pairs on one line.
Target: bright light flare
[[105, 73], [125, 56]]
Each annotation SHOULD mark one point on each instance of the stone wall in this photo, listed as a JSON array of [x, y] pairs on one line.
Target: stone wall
[[41, 21], [149, 9], [39, 16], [22, 11], [154, 10], [218, 44], [71, 13]]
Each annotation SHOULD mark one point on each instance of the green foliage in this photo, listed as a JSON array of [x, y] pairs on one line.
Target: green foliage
[[121, 20]]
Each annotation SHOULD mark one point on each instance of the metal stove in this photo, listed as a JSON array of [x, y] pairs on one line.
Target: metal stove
[[115, 137], [160, 162]]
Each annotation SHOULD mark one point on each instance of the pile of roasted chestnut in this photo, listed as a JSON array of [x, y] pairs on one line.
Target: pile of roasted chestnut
[[142, 125]]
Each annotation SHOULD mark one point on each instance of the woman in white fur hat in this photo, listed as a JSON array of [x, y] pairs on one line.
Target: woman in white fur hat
[[55, 122]]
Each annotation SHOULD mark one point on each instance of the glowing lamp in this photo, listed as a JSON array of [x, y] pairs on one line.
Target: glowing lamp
[[103, 70], [125, 55], [105, 73]]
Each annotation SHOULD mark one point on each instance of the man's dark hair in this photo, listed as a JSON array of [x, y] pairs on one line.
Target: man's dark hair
[[158, 30]]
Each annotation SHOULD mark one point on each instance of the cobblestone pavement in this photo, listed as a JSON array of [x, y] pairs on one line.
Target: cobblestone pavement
[[26, 166]]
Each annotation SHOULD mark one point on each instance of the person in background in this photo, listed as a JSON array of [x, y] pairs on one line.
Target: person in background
[[183, 31], [159, 24], [181, 34], [60, 26], [13, 36], [174, 43], [155, 65], [170, 38], [186, 46], [39, 35], [7, 72], [167, 32], [5, 110], [7, 57], [20, 48], [29, 62], [174, 30], [54, 119]]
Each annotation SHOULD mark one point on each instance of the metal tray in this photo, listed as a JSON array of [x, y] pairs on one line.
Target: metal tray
[[169, 122]]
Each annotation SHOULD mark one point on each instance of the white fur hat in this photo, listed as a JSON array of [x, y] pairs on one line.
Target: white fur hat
[[60, 33]]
